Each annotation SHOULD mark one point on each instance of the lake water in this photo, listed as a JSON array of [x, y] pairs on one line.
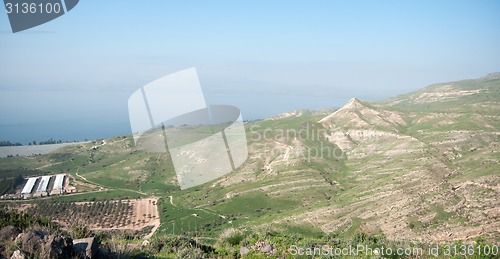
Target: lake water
[[30, 150]]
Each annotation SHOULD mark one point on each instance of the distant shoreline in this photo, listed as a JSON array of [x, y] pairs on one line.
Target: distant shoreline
[[33, 149]]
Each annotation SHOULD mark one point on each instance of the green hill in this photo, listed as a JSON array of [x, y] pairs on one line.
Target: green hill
[[421, 166]]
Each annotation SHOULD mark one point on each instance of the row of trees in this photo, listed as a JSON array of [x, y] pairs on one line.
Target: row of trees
[[4, 143], [46, 142], [10, 217], [98, 214], [8, 185]]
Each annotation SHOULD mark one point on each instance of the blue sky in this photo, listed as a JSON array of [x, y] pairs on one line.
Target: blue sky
[[71, 78]]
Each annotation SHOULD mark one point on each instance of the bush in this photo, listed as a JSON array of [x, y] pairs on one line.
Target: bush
[[17, 219], [231, 236], [190, 253], [169, 244], [78, 231], [235, 239]]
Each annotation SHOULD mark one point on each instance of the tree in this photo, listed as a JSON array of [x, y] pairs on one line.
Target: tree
[[18, 180], [80, 231]]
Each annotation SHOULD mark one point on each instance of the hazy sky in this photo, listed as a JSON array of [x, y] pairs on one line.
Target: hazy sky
[[71, 78]]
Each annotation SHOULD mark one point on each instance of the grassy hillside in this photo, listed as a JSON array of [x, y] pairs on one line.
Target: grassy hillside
[[421, 166], [475, 95]]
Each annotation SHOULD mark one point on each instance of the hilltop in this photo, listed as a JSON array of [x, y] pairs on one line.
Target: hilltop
[[474, 95]]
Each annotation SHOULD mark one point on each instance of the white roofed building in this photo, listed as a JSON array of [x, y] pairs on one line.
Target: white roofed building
[[28, 187], [44, 183], [58, 184]]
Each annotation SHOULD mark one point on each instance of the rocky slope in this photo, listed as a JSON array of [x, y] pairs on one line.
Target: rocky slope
[[424, 184], [422, 166]]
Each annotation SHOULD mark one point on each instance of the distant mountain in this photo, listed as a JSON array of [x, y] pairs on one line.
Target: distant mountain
[[475, 95], [302, 113]]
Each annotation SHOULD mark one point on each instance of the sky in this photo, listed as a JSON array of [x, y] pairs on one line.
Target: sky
[[71, 78]]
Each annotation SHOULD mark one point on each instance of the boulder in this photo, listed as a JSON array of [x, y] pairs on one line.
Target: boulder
[[244, 250], [19, 238], [267, 249], [145, 243], [18, 254], [32, 241], [58, 247], [85, 247], [9, 233], [103, 253]]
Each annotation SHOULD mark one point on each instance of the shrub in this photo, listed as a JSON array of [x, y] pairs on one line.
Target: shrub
[[190, 253], [231, 236], [78, 231]]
